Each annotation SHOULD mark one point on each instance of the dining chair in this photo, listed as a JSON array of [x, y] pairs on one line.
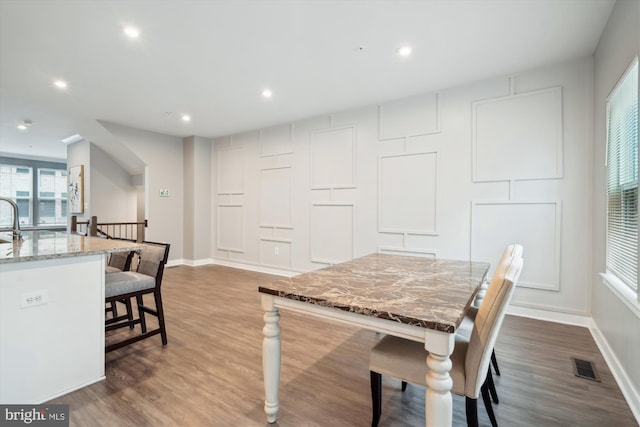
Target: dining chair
[[147, 279], [514, 250], [406, 359], [117, 262]]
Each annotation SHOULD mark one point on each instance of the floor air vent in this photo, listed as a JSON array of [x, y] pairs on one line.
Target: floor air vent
[[584, 369]]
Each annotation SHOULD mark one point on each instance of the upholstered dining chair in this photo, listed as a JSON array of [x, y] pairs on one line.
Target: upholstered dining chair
[[147, 279], [466, 326], [119, 261], [406, 360]]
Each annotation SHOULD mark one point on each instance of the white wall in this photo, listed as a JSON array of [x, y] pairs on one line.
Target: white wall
[[619, 323], [164, 159], [197, 200], [114, 197], [457, 174]]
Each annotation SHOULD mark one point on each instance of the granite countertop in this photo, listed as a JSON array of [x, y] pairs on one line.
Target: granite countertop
[[417, 291], [43, 245]]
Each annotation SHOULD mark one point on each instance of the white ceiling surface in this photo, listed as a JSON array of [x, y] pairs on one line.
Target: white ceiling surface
[[211, 59]]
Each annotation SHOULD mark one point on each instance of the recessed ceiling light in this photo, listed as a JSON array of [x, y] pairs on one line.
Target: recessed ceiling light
[[132, 32], [186, 118], [405, 51], [24, 124], [267, 93], [60, 84]]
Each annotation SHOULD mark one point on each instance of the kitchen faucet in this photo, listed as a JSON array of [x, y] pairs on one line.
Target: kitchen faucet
[[17, 234]]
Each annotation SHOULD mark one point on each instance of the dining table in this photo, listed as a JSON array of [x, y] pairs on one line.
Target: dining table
[[418, 298]]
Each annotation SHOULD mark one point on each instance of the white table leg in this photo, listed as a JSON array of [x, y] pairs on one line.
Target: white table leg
[[438, 401], [271, 357]]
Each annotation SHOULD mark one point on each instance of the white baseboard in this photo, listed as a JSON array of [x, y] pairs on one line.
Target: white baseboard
[[196, 262], [254, 267], [624, 382], [550, 316], [622, 379]]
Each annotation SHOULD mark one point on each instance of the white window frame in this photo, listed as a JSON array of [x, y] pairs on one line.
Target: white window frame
[[630, 296]]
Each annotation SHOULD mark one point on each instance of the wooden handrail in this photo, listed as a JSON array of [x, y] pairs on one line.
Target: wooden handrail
[[109, 230]]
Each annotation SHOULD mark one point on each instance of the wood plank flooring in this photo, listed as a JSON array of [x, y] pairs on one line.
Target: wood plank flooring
[[210, 373]]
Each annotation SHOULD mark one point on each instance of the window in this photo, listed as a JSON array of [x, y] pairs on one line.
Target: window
[[38, 188], [16, 183], [622, 179], [52, 190]]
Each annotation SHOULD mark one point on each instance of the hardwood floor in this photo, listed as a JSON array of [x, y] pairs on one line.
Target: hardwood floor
[[210, 373]]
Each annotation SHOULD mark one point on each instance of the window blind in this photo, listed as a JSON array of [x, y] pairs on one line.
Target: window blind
[[622, 179]]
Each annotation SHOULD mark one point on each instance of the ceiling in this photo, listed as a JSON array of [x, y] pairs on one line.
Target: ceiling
[[212, 59]]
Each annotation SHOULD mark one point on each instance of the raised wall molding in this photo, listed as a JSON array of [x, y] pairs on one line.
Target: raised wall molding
[[427, 253], [231, 168], [276, 140], [518, 137], [276, 208], [536, 225], [333, 158], [231, 228], [407, 188], [332, 232], [276, 253], [417, 115]]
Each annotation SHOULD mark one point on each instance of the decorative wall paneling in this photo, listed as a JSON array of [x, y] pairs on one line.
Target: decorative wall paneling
[[425, 173], [412, 252], [231, 168], [407, 188], [275, 198], [518, 136], [417, 115], [277, 140], [277, 253], [333, 158], [537, 225], [332, 232], [230, 228], [407, 179]]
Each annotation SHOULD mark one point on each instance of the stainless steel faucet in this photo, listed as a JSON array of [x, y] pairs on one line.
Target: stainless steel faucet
[[17, 233]]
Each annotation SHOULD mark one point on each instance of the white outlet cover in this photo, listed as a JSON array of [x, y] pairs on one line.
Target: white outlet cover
[[34, 299], [164, 192]]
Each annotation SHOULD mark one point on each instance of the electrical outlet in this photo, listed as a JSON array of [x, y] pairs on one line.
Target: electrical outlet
[[276, 251], [34, 299], [164, 192]]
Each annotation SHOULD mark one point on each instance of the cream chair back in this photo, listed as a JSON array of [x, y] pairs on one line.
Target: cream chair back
[[488, 321]]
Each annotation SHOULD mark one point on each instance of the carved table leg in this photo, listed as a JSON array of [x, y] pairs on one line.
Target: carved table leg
[[438, 401], [271, 357]]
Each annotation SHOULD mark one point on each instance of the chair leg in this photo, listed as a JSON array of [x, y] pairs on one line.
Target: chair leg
[[143, 322], [472, 412], [404, 386], [114, 309], [127, 303], [492, 387], [376, 397], [494, 362], [484, 390], [160, 311]]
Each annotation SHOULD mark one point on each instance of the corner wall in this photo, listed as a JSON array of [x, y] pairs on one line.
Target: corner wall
[[617, 322], [163, 155]]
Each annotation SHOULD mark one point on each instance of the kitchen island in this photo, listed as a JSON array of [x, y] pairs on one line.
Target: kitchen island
[[52, 314]]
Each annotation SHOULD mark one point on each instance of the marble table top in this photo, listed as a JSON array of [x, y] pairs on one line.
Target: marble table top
[[42, 245], [430, 293]]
